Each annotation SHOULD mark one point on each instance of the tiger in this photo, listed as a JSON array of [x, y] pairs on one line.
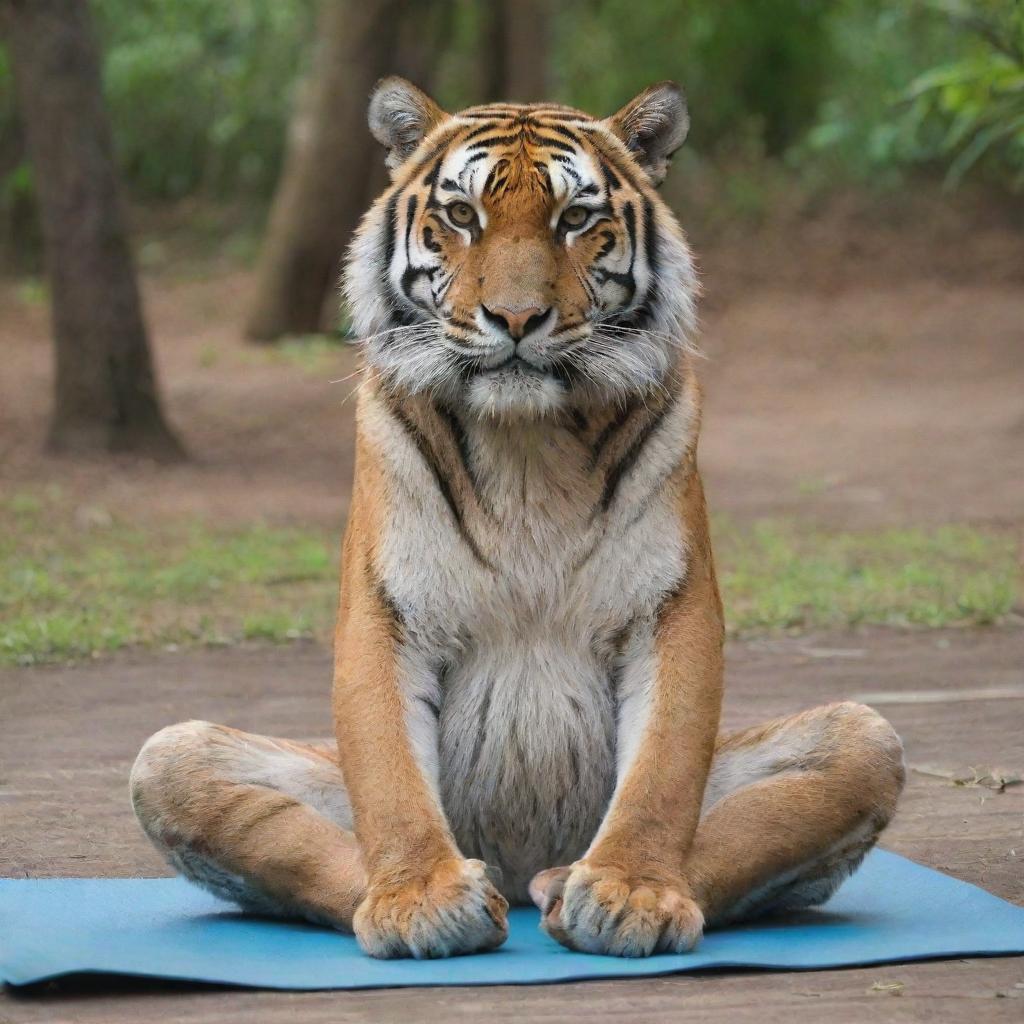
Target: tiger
[[528, 658]]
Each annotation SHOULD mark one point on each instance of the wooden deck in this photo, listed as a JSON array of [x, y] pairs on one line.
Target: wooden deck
[[68, 735]]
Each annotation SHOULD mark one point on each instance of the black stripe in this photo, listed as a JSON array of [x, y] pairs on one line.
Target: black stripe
[[566, 326], [490, 183], [398, 315], [412, 273], [410, 214], [461, 441], [483, 130], [638, 317], [434, 153], [629, 216], [546, 140], [611, 157], [574, 756], [629, 460], [441, 674], [619, 640], [651, 252], [496, 140], [443, 483], [569, 169], [390, 227], [432, 174], [428, 240], [543, 176], [567, 132], [625, 279], [611, 179], [613, 427]]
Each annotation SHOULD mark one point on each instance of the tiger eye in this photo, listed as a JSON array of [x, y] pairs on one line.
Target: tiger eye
[[575, 216], [462, 214]]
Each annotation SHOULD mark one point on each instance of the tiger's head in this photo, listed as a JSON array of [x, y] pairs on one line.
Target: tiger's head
[[522, 262]]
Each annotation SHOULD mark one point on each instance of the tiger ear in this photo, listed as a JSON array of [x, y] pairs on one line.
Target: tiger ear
[[400, 117], [653, 126]]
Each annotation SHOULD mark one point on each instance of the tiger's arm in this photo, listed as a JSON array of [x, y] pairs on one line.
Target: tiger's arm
[[628, 895], [423, 898]]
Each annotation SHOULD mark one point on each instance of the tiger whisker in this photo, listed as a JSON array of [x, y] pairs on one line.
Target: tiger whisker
[[364, 339]]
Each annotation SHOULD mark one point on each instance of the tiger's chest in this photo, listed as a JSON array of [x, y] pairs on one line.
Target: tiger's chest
[[522, 625]]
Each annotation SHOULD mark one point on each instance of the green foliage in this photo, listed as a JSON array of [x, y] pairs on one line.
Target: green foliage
[[971, 109], [200, 90], [17, 186], [750, 70], [918, 83]]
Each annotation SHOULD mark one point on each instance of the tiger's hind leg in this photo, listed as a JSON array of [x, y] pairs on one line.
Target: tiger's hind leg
[[790, 810], [263, 822]]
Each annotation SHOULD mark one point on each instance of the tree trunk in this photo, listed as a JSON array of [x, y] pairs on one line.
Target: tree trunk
[[106, 394], [516, 58], [333, 168], [323, 184]]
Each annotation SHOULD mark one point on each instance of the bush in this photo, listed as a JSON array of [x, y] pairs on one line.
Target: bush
[[200, 90], [970, 111], [756, 68], [919, 83]]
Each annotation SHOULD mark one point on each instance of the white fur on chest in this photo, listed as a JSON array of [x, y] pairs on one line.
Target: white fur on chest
[[512, 668]]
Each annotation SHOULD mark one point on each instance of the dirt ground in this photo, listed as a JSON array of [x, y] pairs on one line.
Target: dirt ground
[[861, 370]]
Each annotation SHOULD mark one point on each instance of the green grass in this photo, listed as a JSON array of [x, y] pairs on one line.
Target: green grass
[[71, 591], [81, 585], [777, 576]]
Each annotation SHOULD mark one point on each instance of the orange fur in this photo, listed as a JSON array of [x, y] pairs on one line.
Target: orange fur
[[506, 564]]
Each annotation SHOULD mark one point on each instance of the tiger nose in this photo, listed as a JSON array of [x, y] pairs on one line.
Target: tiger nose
[[517, 323]]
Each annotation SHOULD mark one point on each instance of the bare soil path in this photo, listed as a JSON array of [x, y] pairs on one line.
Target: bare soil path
[[68, 736]]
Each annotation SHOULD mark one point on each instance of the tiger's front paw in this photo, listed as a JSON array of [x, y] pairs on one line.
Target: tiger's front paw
[[600, 909], [451, 909]]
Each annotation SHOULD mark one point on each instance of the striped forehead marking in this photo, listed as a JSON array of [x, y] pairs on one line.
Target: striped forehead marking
[[520, 147]]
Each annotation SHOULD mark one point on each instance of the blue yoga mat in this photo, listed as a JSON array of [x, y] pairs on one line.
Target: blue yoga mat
[[891, 910]]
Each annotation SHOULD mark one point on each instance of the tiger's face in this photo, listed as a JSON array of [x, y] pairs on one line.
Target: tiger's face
[[522, 262]]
